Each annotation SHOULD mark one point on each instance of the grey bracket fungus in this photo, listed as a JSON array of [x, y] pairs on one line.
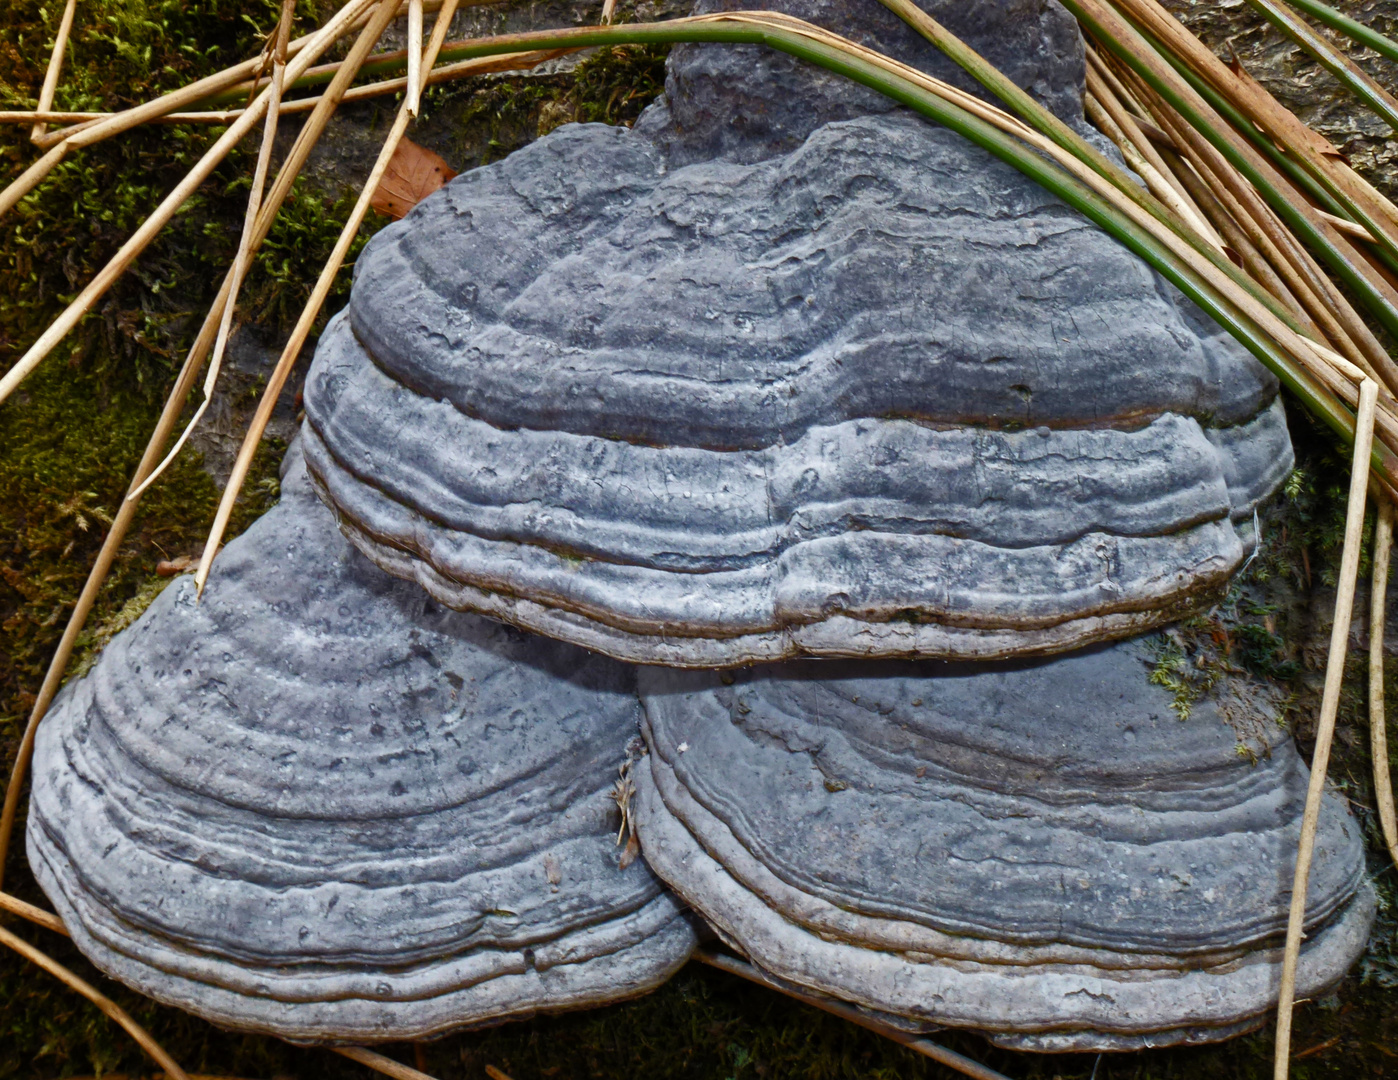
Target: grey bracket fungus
[[316, 805], [826, 380], [1038, 849]]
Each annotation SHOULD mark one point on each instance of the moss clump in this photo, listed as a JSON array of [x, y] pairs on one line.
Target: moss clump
[[493, 117]]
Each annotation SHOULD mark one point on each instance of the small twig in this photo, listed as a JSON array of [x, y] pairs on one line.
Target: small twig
[[323, 285], [55, 66], [496, 1074], [243, 260], [380, 1063], [414, 91], [917, 1044], [106, 1004], [149, 228], [94, 132], [1378, 734], [1318, 1048], [1325, 726], [37, 915]]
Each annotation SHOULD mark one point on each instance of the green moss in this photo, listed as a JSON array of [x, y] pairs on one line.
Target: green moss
[[611, 86], [1187, 676], [68, 445]]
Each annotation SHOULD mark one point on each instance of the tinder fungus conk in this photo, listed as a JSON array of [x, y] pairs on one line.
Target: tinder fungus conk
[[316, 805], [875, 395], [1041, 850]]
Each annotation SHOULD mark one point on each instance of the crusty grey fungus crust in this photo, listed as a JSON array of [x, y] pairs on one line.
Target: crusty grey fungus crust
[[878, 396], [1040, 850], [316, 805]]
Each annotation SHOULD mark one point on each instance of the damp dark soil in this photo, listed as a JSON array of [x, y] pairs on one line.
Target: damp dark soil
[[69, 440]]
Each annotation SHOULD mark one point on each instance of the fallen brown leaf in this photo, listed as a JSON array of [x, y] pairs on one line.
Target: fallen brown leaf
[[413, 173]]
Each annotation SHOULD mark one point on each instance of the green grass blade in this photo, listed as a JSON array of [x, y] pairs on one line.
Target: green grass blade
[[1335, 62], [1323, 13], [1354, 276]]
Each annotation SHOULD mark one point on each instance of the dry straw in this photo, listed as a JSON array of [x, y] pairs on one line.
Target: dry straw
[[323, 285], [87, 134], [380, 1063], [106, 1004], [1378, 733], [158, 219], [1325, 725], [60, 43], [243, 259], [53, 678]]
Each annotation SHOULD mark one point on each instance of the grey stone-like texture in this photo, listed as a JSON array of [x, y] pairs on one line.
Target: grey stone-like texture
[[1038, 849], [317, 805], [748, 102], [879, 396]]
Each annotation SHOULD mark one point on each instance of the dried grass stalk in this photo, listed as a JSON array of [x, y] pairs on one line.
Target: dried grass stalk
[[1378, 733], [380, 1063], [37, 915], [243, 260], [1288, 264], [324, 283], [35, 116], [151, 227], [1132, 140], [106, 1004], [1312, 150], [195, 92], [165, 427], [1325, 725], [1205, 123], [60, 42], [462, 69], [1321, 300], [1098, 105]]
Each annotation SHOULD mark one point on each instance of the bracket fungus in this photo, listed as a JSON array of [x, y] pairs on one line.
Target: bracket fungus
[[318, 806], [1040, 850], [785, 372], [878, 394]]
